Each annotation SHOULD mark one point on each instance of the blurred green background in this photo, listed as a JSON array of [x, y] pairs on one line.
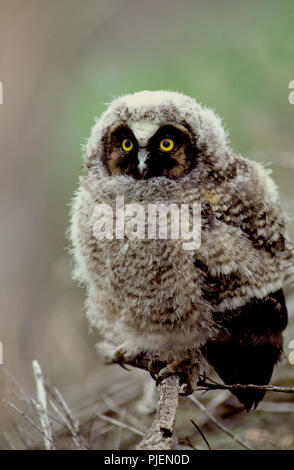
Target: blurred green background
[[60, 62]]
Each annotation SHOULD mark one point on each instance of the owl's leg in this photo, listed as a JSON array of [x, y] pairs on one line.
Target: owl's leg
[[112, 354], [187, 368], [155, 365], [105, 351]]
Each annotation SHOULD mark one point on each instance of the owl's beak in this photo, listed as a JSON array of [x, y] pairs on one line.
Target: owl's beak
[[142, 165]]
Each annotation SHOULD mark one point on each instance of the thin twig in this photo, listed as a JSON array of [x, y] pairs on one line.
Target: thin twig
[[142, 363], [203, 385], [218, 424], [27, 418], [201, 433], [60, 406], [120, 431], [117, 409], [42, 405], [115, 422]]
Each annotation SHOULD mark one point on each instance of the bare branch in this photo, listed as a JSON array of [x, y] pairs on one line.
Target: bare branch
[[204, 385], [160, 435]]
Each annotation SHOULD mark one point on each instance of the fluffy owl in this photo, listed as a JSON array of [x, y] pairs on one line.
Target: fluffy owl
[[221, 303]]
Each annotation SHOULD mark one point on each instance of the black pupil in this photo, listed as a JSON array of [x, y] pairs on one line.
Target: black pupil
[[166, 143], [127, 144]]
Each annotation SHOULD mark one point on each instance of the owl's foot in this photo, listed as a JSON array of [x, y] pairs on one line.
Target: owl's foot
[[120, 358], [155, 365], [186, 368], [115, 355]]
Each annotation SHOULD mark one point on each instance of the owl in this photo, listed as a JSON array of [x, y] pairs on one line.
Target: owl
[[220, 303]]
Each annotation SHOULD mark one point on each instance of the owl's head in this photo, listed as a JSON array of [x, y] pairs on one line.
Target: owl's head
[[156, 134]]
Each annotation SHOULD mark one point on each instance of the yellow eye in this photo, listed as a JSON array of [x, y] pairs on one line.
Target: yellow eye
[[127, 145], [166, 145]]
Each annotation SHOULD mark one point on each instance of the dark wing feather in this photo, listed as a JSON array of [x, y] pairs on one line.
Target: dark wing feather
[[248, 344]]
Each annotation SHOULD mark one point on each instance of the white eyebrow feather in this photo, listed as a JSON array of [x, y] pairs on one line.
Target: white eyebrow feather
[[143, 130]]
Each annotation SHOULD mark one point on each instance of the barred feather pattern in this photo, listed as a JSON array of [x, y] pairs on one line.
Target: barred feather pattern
[[151, 294]]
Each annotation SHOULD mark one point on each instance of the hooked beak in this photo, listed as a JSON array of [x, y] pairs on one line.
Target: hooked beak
[[142, 166]]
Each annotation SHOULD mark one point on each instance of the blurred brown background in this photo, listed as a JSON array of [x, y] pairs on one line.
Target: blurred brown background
[[60, 61]]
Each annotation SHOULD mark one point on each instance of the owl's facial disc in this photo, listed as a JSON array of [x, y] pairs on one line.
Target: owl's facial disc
[[146, 151]]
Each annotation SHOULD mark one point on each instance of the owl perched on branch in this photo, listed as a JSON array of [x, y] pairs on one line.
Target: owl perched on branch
[[220, 303]]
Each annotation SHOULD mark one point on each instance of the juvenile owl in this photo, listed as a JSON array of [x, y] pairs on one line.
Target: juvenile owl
[[220, 302]]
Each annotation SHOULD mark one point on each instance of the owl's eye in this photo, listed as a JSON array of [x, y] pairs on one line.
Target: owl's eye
[[127, 145], [166, 145]]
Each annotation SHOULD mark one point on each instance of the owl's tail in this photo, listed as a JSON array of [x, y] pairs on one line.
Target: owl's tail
[[248, 345]]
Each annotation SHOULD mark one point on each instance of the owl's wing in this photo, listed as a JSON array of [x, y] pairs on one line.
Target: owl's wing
[[245, 256], [288, 265], [248, 344]]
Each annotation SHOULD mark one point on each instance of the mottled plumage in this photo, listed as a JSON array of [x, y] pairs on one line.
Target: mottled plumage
[[222, 303]]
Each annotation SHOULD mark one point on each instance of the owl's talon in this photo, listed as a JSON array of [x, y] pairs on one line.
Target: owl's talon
[[123, 366], [152, 375], [121, 357], [112, 354], [154, 367], [166, 372], [159, 380], [186, 390], [160, 377], [186, 369]]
